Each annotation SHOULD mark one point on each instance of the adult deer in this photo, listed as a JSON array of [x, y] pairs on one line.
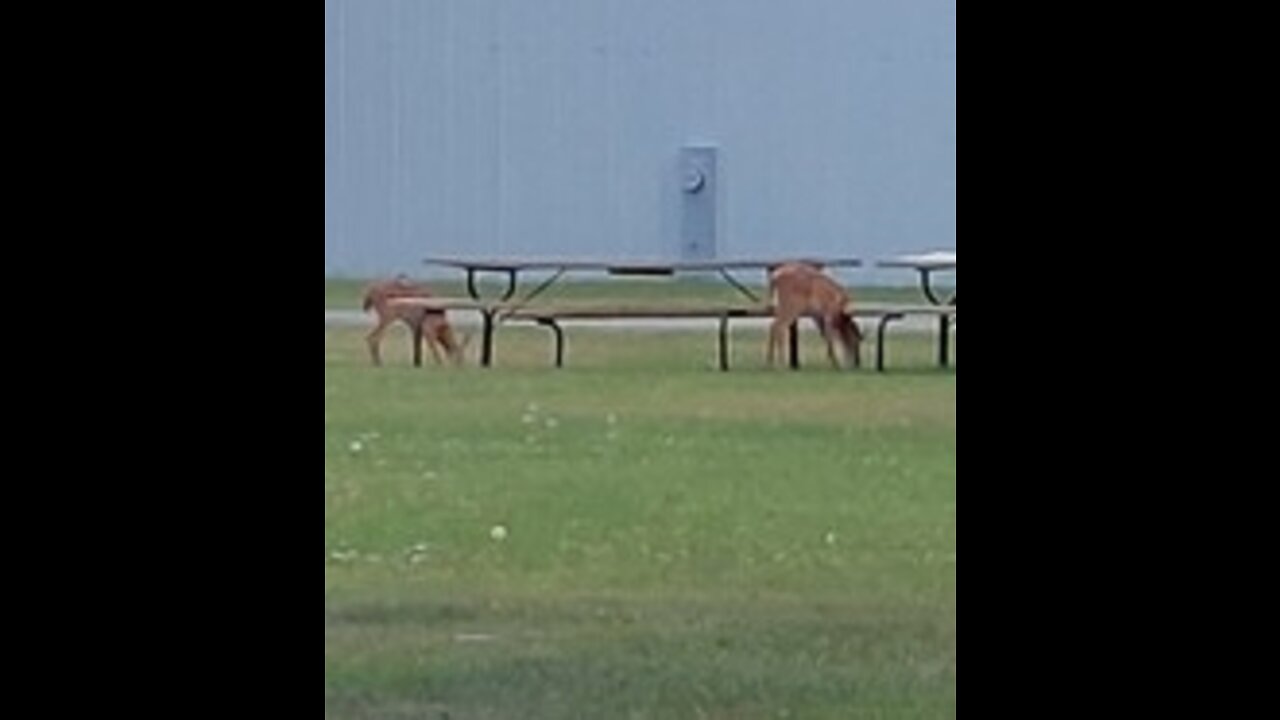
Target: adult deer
[[430, 323], [799, 289]]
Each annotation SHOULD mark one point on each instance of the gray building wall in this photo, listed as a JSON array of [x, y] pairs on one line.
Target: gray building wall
[[555, 127]]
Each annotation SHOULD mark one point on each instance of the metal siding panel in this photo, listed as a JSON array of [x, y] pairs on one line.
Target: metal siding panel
[[508, 126]]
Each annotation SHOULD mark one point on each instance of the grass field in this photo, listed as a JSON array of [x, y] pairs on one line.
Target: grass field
[[675, 542]]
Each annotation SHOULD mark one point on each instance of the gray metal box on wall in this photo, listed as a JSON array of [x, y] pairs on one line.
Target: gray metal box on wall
[[699, 191]]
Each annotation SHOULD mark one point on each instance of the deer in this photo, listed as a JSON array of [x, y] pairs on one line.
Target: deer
[[800, 289], [435, 330]]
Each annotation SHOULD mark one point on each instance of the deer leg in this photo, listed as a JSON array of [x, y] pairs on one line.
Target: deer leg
[[781, 333], [460, 346], [856, 343], [433, 344], [774, 341], [824, 328], [450, 343], [374, 339], [425, 335], [442, 334], [418, 334]]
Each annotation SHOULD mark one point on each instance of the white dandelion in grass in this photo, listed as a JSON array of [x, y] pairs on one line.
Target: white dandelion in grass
[[343, 555], [498, 533], [418, 553]]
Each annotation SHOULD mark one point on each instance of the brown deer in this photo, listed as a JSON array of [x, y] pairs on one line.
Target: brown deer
[[432, 324], [799, 289]]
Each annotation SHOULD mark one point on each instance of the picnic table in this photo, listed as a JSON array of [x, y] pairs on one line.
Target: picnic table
[[512, 268], [927, 265], [507, 306]]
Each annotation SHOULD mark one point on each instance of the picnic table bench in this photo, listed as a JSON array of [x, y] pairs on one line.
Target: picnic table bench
[[552, 316]]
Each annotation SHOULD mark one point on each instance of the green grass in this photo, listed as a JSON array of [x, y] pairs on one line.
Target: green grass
[[681, 543]]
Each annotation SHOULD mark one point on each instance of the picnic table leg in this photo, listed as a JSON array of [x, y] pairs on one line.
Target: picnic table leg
[[486, 337], [536, 291], [880, 336], [474, 291], [944, 340], [416, 331], [554, 327], [724, 343], [793, 345], [729, 278], [926, 285], [511, 286]]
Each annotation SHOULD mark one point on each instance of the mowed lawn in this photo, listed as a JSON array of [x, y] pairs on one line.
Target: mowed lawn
[[638, 535]]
